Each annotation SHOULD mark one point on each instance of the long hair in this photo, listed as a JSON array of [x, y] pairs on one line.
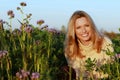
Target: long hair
[[71, 44]]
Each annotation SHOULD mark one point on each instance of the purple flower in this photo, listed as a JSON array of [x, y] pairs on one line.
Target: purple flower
[[11, 14], [23, 4], [18, 8], [3, 53], [35, 75], [2, 22], [44, 27], [18, 75], [28, 29], [22, 74], [16, 32], [117, 55], [53, 31], [25, 73], [40, 22]]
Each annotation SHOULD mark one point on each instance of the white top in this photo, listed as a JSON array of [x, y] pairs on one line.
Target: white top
[[79, 64]]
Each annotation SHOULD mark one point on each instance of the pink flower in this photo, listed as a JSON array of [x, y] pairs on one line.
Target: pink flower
[[28, 29], [117, 55], [11, 14], [40, 22], [3, 53], [35, 75], [23, 4]]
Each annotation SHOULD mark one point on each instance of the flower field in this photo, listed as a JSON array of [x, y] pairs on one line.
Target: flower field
[[37, 53]]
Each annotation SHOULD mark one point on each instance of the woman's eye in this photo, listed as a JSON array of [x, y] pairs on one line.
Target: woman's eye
[[87, 25], [78, 27]]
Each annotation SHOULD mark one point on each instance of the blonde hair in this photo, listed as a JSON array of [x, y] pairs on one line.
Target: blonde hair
[[71, 44]]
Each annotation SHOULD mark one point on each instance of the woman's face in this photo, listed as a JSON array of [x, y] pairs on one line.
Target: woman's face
[[83, 30]]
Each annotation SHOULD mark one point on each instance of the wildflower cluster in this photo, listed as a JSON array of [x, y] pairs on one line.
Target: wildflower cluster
[[22, 74], [11, 14], [117, 55], [44, 27], [27, 16], [35, 75], [1, 21], [53, 31], [40, 22], [16, 32], [3, 53], [23, 4], [28, 29]]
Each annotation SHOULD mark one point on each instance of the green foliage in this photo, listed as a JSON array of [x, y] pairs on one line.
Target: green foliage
[[116, 45], [39, 51], [90, 64]]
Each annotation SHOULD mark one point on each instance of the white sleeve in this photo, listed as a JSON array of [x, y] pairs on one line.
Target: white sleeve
[[108, 45]]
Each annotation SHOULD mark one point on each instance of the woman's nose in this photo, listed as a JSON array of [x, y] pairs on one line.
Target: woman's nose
[[83, 30]]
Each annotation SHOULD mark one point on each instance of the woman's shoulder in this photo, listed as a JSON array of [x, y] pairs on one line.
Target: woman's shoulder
[[107, 40], [107, 44]]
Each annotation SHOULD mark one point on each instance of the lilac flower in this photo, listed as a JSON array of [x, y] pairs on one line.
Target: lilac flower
[[23, 4], [44, 27], [2, 22], [3, 53], [16, 32], [11, 14], [40, 22], [18, 75], [117, 55], [53, 31], [28, 29], [25, 73], [99, 62], [35, 75], [22, 74], [18, 8]]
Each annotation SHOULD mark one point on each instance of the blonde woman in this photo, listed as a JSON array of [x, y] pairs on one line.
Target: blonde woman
[[83, 41]]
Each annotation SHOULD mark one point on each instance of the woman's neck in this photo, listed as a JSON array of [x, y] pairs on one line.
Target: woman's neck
[[85, 43]]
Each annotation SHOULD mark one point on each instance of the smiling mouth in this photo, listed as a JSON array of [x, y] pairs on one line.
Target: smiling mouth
[[84, 35]]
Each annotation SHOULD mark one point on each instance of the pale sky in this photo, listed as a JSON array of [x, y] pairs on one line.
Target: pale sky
[[55, 13]]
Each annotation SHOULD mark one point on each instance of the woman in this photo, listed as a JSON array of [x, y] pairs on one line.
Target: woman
[[83, 42]]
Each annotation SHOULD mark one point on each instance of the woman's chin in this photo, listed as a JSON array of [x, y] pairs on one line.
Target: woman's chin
[[86, 39]]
